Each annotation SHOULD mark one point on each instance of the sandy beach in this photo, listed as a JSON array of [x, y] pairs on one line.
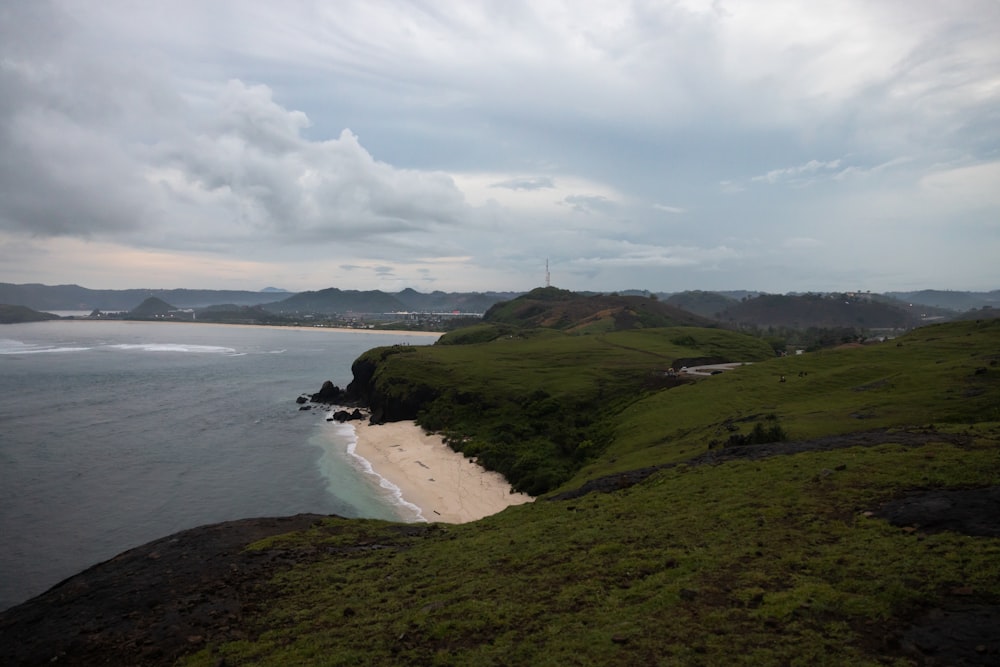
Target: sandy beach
[[446, 486]]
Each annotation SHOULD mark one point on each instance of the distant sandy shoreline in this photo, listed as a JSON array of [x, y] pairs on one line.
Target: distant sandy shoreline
[[297, 327], [446, 486]]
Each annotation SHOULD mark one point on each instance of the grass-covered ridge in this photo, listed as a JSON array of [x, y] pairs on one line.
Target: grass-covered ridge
[[773, 561], [555, 308]]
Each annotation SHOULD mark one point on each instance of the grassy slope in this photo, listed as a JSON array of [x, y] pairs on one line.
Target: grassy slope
[[536, 406], [599, 313], [749, 562], [927, 379]]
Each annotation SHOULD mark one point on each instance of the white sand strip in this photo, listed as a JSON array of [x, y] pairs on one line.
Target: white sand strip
[[445, 485]]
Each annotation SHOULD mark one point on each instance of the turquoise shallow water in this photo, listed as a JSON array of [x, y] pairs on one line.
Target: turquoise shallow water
[[116, 433]]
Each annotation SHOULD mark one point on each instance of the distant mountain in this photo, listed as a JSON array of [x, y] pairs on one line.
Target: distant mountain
[[801, 311], [336, 301], [17, 314], [444, 302], [555, 308], [958, 301], [332, 300], [328, 301], [152, 307], [74, 297], [984, 313], [706, 304]]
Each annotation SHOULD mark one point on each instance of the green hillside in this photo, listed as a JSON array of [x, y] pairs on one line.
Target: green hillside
[[537, 404], [820, 310], [555, 308], [768, 554], [333, 300], [706, 304]]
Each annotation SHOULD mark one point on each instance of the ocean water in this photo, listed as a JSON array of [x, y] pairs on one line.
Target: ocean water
[[113, 434]]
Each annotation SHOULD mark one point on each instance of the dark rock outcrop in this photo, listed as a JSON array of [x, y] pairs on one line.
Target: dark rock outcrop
[[399, 401], [402, 400], [328, 393], [152, 604], [966, 511], [345, 416]]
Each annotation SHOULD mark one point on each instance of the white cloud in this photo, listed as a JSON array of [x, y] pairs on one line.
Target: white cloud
[[975, 185], [501, 134], [799, 174], [526, 183]]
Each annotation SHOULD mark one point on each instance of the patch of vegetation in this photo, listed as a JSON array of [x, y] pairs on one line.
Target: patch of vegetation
[[761, 434], [477, 333]]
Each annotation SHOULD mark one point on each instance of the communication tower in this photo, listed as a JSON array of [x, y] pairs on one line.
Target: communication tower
[[548, 276]]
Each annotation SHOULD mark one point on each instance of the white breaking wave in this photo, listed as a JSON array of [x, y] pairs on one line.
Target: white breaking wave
[[397, 493], [174, 347], [10, 346]]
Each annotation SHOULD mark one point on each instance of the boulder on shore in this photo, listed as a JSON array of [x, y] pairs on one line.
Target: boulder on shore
[[345, 416], [328, 393]]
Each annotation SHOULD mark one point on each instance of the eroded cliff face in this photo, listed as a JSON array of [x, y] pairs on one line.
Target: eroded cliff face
[[390, 397]]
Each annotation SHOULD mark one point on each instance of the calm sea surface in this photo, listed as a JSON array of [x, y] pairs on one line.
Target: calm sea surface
[[113, 434]]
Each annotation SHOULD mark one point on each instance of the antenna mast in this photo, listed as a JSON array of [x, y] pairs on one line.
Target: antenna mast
[[548, 277]]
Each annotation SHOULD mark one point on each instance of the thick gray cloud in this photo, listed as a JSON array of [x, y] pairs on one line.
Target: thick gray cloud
[[388, 143]]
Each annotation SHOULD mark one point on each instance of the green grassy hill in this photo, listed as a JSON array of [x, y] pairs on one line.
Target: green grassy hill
[[819, 310], [537, 404], [720, 555], [706, 304], [555, 308]]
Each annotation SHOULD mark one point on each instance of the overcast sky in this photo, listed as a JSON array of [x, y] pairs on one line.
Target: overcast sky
[[775, 145]]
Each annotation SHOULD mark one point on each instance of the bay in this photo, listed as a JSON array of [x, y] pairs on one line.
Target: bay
[[113, 434]]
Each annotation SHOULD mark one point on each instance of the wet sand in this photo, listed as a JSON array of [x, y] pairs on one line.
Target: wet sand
[[446, 486]]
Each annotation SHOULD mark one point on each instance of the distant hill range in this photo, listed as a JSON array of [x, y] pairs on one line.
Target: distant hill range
[[546, 307], [326, 302], [554, 308], [332, 300], [824, 311], [706, 304], [957, 301], [74, 297]]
